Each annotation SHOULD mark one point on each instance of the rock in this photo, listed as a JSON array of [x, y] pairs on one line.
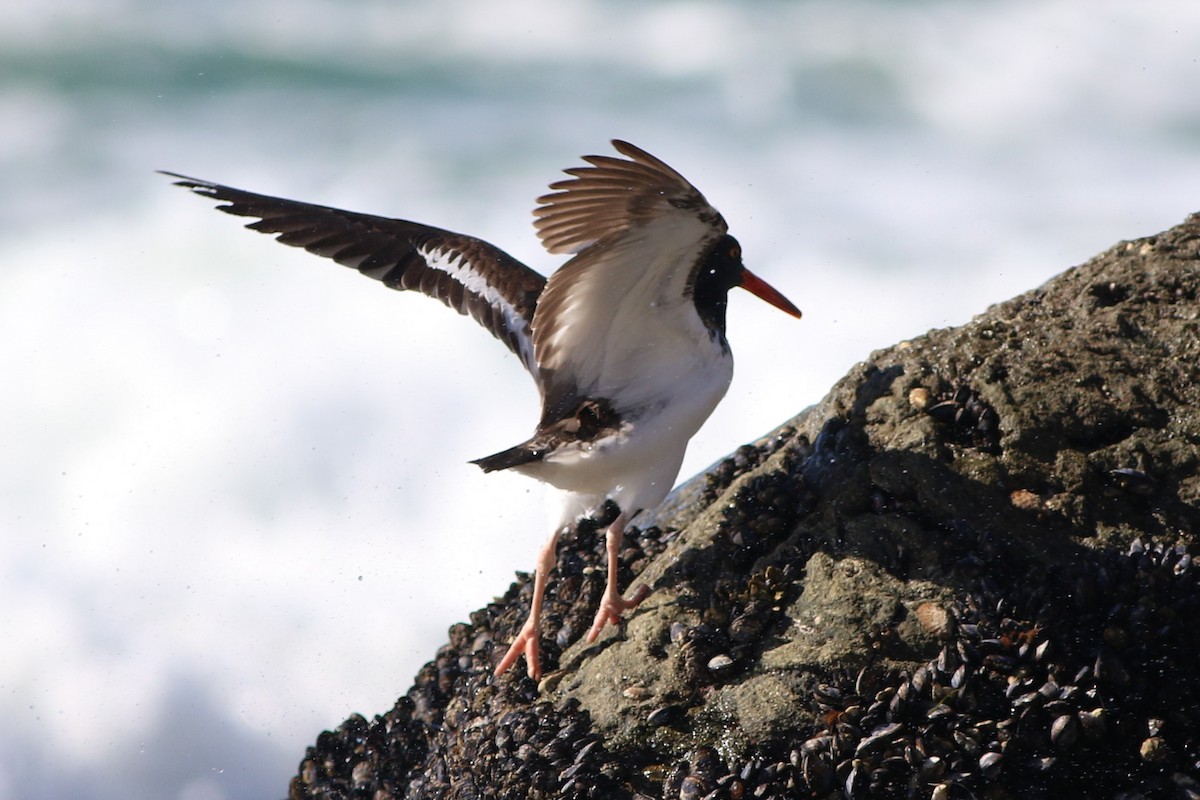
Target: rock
[[972, 568]]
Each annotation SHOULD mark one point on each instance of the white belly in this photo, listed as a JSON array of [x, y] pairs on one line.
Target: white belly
[[637, 467]]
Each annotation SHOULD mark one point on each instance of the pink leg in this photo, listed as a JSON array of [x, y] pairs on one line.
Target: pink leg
[[527, 640], [613, 604]]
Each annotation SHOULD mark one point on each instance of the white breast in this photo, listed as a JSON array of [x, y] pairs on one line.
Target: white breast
[[637, 467]]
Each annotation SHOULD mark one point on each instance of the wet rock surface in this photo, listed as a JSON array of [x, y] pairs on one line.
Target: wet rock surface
[[971, 571]]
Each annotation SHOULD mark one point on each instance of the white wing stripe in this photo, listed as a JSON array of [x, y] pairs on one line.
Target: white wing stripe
[[462, 271]]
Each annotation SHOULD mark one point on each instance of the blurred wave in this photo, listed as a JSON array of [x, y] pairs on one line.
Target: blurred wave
[[234, 506]]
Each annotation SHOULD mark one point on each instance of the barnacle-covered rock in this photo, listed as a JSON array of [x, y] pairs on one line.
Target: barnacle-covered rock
[[972, 570]]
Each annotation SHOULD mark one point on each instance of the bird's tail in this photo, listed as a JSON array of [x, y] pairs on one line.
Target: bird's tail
[[523, 453]]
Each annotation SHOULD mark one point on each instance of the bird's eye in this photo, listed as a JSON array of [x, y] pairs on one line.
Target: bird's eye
[[735, 252]]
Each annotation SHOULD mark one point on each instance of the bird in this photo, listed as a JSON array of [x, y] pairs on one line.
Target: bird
[[625, 341]]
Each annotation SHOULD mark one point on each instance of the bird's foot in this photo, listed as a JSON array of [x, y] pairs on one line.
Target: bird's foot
[[612, 605], [527, 643]]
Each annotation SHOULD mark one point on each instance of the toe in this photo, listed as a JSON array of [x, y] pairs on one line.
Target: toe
[[525, 644]]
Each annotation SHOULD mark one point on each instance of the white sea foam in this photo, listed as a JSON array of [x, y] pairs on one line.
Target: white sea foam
[[235, 502]]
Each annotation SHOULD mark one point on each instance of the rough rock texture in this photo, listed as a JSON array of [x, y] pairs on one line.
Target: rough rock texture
[[971, 571]]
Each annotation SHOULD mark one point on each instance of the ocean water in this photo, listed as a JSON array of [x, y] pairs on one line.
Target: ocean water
[[234, 503]]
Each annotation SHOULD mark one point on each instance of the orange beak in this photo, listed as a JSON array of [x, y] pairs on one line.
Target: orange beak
[[760, 288]]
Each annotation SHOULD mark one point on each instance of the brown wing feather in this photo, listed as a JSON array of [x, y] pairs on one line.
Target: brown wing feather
[[467, 274], [611, 196]]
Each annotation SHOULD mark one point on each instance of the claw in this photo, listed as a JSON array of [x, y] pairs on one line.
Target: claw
[[611, 609], [527, 644]]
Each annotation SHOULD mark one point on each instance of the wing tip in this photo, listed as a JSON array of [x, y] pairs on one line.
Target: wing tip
[[201, 187], [626, 148]]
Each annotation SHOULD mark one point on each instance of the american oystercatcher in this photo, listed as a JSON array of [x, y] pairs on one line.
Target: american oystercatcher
[[626, 341]]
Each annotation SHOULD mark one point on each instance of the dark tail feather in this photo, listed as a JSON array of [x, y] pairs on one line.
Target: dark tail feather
[[523, 453]]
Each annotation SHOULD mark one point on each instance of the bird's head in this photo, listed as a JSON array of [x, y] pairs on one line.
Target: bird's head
[[720, 270]]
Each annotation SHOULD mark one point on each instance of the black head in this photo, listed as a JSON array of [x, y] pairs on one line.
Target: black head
[[719, 270]]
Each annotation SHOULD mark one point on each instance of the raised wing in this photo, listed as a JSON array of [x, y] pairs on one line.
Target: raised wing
[[614, 195], [467, 274], [640, 230]]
